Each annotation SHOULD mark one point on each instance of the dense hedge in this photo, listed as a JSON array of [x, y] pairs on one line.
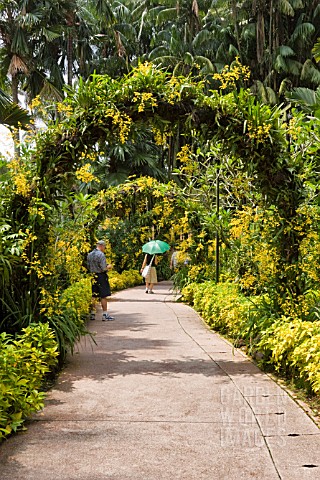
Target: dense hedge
[[290, 345], [24, 361], [126, 279]]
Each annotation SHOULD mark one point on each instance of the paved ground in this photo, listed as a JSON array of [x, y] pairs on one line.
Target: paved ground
[[160, 397]]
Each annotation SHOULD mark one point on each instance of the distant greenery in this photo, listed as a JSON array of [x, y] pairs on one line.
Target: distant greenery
[[48, 44]]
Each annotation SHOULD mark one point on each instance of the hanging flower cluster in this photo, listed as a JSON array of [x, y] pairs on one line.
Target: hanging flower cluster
[[258, 133], [144, 99], [229, 76], [20, 176], [85, 175]]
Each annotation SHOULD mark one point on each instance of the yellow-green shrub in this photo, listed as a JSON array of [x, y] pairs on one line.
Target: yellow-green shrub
[[294, 344], [290, 344], [24, 361], [221, 306], [66, 311], [126, 279], [78, 297]]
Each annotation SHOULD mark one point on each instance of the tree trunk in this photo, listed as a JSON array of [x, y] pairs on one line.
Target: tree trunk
[[236, 27], [70, 20], [15, 98], [70, 58]]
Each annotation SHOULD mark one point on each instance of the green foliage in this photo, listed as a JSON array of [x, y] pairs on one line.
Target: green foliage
[[287, 342], [222, 307], [261, 162], [66, 314], [126, 279], [293, 346], [24, 362], [11, 114]]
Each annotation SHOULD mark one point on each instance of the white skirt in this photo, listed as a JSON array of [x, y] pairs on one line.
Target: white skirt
[[152, 277]]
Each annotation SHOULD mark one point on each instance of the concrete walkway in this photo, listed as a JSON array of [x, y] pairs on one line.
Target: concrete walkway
[[160, 397]]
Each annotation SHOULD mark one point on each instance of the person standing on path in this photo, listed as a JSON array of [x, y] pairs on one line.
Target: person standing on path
[[174, 260], [151, 278], [97, 265]]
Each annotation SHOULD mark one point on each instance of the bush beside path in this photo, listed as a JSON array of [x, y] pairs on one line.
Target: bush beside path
[[162, 397]]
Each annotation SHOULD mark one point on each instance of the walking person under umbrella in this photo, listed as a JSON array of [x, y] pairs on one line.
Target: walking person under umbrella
[[151, 277], [148, 269]]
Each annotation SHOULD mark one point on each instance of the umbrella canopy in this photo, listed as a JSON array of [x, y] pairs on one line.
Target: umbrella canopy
[[155, 246]]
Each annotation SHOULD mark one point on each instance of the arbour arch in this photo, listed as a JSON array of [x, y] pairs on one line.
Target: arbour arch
[[103, 108]]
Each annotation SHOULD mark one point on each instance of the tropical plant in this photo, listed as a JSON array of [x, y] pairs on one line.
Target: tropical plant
[[11, 114], [307, 99], [24, 362]]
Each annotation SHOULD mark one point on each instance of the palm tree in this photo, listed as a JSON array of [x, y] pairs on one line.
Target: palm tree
[[181, 40], [14, 42], [123, 38], [285, 34]]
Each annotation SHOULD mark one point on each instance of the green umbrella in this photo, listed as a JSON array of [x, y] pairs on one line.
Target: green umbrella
[[155, 246]]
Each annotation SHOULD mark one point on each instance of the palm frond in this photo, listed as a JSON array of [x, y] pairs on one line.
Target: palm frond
[[265, 94], [166, 15], [11, 114], [127, 31], [19, 42], [201, 37], [50, 35], [205, 64], [303, 32], [139, 11], [287, 65], [154, 12], [143, 16], [310, 72], [286, 51], [29, 19], [249, 32], [188, 58], [308, 99], [166, 61], [296, 4], [16, 66], [49, 91], [121, 12], [105, 11], [118, 177], [233, 51], [286, 8], [316, 12], [158, 52]]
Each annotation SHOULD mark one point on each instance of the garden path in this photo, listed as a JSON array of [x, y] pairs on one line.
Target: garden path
[[161, 397]]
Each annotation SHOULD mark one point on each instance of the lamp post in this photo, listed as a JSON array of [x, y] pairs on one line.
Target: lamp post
[[217, 231]]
